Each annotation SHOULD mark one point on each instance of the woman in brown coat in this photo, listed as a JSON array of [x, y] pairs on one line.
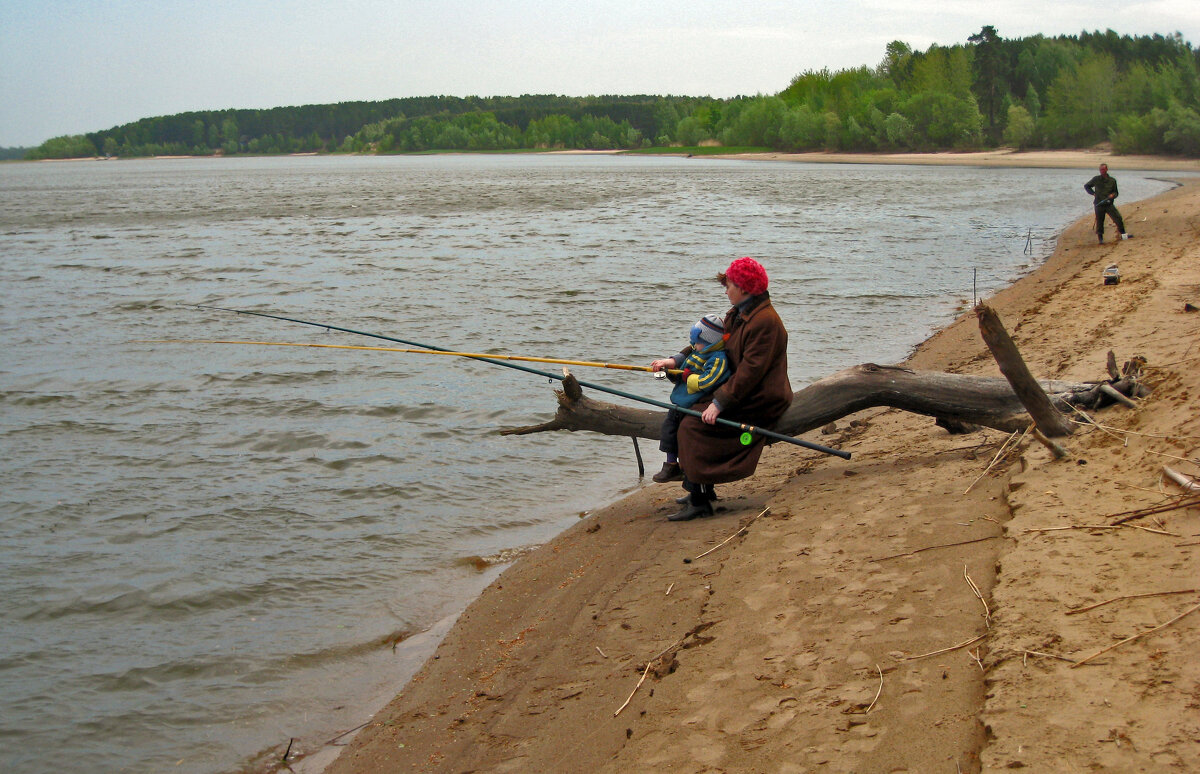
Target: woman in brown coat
[[758, 393]]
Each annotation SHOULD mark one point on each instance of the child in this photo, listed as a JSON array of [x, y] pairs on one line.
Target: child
[[704, 369]]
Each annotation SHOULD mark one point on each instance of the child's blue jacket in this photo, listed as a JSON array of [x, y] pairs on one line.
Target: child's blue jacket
[[703, 372]]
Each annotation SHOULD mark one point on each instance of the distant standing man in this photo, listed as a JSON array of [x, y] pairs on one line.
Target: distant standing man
[[1103, 189]]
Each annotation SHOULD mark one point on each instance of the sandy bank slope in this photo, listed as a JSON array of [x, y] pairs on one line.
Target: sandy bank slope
[[810, 640], [1005, 157]]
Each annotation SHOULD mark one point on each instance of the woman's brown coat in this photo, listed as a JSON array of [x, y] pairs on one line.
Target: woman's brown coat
[[757, 394]]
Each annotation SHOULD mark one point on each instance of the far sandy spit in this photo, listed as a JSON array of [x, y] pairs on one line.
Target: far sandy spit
[[922, 607], [1073, 159]]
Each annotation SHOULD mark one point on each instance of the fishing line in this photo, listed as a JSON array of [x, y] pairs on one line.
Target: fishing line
[[473, 355], [592, 386]]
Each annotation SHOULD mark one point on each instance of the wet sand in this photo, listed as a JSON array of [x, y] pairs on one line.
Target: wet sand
[[907, 610]]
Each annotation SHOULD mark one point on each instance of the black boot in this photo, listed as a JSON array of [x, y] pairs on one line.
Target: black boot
[[698, 505], [709, 492]]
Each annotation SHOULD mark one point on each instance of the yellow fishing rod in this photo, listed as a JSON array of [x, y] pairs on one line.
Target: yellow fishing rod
[[747, 430], [479, 355]]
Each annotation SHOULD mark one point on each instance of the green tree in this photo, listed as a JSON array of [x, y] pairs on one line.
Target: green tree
[[858, 137], [758, 124], [230, 136], [899, 131], [897, 64], [802, 129], [1032, 102], [1019, 129], [691, 131], [991, 78], [1140, 89], [667, 118], [833, 130], [72, 146], [1041, 60], [1183, 130], [946, 70], [811, 87], [1080, 104], [940, 120], [552, 131]]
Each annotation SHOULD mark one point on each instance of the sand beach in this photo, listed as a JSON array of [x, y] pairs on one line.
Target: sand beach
[[1005, 157], [922, 607]]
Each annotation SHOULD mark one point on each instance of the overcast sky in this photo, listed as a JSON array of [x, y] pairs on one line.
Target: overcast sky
[[75, 66]]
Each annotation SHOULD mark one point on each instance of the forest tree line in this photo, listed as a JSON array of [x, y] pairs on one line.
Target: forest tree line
[[1140, 93]]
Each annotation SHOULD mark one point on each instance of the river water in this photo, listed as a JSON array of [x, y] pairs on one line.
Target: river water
[[206, 550]]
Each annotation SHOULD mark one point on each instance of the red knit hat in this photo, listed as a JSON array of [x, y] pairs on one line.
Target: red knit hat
[[748, 274]]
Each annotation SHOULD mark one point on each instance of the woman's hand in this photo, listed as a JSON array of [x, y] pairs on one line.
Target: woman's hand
[[710, 414], [662, 365]]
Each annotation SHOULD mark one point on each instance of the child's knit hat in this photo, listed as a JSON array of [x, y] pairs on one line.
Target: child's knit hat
[[707, 331]]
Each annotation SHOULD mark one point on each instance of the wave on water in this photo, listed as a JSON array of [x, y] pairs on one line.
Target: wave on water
[[345, 463], [507, 556], [274, 377], [27, 399]]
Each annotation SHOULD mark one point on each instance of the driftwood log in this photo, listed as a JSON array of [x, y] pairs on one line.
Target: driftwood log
[[1050, 423], [957, 402]]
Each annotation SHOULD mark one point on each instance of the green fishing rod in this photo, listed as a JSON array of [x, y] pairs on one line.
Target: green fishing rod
[[747, 430]]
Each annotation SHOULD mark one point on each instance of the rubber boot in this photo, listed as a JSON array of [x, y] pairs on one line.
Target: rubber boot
[[698, 505], [709, 492]]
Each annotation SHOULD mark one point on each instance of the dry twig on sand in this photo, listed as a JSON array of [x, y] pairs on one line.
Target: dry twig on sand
[[1144, 435], [1012, 442], [650, 663], [1158, 491], [1189, 611], [1155, 531], [741, 530], [931, 548], [1193, 460], [1079, 610], [344, 733], [1089, 422], [872, 704], [645, 672], [971, 641], [1102, 526], [1184, 502], [1057, 449], [1167, 365], [987, 613], [1045, 655]]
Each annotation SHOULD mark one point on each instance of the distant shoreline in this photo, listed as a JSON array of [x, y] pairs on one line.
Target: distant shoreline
[[1055, 159], [1037, 159]]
